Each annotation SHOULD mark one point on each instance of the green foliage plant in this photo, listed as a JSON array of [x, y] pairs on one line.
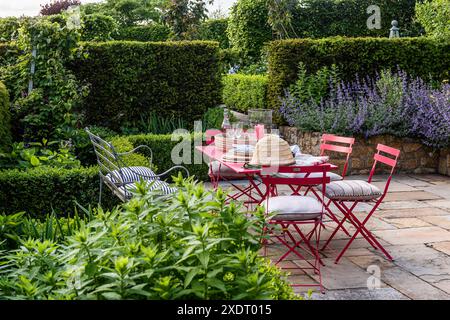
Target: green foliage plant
[[190, 246], [434, 16], [49, 109]]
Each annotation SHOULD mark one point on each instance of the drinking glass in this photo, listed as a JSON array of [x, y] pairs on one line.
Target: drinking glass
[[238, 130]]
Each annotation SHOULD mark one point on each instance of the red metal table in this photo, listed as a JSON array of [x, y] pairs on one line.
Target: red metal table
[[216, 154]]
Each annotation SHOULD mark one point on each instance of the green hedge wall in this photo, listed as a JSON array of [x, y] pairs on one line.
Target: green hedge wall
[[129, 79], [38, 191], [5, 118], [242, 92], [215, 30], [8, 53], [153, 32], [424, 57]]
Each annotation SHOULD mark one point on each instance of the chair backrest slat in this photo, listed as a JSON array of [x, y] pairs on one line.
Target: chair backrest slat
[[383, 159], [391, 162], [326, 145], [334, 148]]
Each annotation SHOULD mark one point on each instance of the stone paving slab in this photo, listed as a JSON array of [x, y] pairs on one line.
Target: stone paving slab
[[409, 204], [410, 213], [442, 190], [442, 204], [402, 223], [412, 286], [442, 247], [387, 293], [441, 221], [336, 276], [411, 195], [413, 235], [394, 186]]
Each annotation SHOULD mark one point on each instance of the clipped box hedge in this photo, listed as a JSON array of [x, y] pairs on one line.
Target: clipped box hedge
[[152, 32], [243, 92], [129, 79], [41, 190], [423, 57]]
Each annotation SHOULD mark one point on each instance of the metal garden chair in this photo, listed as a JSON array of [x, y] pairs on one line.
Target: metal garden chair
[[120, 178]]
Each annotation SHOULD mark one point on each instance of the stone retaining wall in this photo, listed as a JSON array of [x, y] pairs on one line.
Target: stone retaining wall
[[414, 158]]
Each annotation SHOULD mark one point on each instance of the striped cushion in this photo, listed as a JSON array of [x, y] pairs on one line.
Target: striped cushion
[[152, 185], [293, 208], [352, 190], [333, 176], [130, 175], [223, 171]]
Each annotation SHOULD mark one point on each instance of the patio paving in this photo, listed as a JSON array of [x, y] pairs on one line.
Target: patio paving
[[414, 226]]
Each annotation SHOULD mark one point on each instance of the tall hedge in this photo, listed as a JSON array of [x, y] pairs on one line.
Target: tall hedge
[[422, 57], [242, 92], [151, 32], [8, 53], [5, 118], [129, 79], [248, 28], [215, 30]]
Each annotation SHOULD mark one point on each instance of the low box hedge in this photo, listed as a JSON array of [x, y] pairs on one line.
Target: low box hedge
[[423, 57], [242, 92]]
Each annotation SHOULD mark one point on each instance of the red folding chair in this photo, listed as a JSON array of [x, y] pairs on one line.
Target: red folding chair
[[337, 144], [293, 211], [357, 191]]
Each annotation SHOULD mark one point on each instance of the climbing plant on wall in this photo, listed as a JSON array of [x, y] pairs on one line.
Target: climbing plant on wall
[[44, 93]]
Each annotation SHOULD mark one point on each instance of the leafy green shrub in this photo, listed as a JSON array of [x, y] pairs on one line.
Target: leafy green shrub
[[131, 79], [192, 246], [9, 53], [213, 118], [215, 30], [427, 58], [229, 58], [38, 154], [243, 92], [98, 27], [248, 28], [151, 32], [9, 29], [49, 109], [314, 86], [5, 118], [434, 15]]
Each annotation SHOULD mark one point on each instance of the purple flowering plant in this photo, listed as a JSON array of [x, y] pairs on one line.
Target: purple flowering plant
[[388, 103]]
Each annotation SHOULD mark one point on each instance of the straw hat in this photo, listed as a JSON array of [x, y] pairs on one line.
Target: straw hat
[[271, 150]]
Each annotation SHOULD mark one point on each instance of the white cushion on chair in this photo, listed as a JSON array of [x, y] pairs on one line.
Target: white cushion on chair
[[333, 176], [224, 172], [352, 190], [289, 208]]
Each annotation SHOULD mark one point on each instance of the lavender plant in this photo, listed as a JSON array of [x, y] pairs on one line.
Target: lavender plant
[[389, 103]]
